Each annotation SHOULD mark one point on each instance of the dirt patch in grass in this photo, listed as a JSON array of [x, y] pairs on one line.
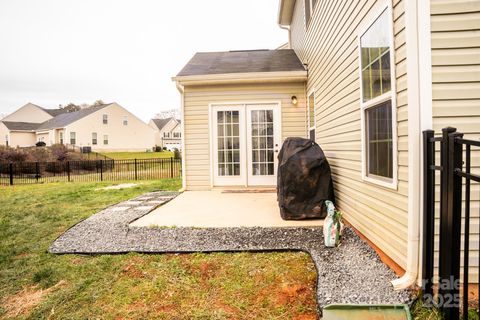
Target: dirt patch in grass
[[289, 293], [134, 286], [23, 302]]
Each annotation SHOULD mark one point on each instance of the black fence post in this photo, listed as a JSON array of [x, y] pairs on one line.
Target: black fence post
[[10, 171], [101, 170], [445, 247], [449, 274], [68, 170], [171, 167], [428, 213], [37, 171], [136, 173]]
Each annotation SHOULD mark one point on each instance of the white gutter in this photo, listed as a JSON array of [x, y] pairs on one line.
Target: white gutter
[[180, 89], [414, 146], [243, 77]]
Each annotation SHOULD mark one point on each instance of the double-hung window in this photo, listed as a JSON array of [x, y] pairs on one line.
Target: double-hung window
[[73, 138], [125, 121], [105, 139], [94, 138], [378, 102], [105, 119]]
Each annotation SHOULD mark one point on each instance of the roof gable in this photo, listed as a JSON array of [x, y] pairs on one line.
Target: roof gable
[[28, 113], [161, 123]]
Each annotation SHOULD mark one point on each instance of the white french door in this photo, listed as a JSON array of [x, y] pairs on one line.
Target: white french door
[[245, 141], [263, 139]]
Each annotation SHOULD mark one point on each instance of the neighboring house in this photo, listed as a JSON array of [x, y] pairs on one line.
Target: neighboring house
[[379, 72], [168, 133], [107, 127], [18, 128]]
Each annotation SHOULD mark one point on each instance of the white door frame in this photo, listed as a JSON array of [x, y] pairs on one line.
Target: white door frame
[[213, 135], [228, 180], [253, 180]]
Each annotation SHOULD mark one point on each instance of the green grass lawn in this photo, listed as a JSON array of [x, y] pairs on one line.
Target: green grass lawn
[[138, 155], [37, 285]]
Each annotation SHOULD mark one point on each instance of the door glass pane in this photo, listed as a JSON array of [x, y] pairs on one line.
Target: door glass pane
[[228, 132], [262, 142]]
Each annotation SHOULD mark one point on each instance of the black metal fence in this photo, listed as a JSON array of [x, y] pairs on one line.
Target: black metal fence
[[89, 171], [456, 180]]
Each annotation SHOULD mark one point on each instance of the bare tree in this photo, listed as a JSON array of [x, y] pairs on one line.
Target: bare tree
[[71, 107], [172, 113]]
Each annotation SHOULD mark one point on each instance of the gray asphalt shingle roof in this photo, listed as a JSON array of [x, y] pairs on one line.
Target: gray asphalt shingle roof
[[204, 63], [160, 123], [21, 126], [65, 119], [54, 112]]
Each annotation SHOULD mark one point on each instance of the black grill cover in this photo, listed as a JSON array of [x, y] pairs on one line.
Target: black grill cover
[[304, 180]]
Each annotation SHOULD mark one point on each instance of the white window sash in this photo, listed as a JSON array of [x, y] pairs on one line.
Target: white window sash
[[390, 183]]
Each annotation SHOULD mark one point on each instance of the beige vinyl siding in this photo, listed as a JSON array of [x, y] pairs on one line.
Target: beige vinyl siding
[[22, 139], [455, 26], [136, 136], [330, 48], [196, 117], [28, 113], [3, 133]]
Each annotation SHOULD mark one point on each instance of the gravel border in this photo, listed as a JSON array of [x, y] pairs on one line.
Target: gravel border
[[351, 273]]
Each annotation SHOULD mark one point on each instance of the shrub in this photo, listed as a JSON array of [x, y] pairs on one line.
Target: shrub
[[157, 149], [59, 152], [40, 154], [40, 144], [14, 155], [176, 153], [55, 167]]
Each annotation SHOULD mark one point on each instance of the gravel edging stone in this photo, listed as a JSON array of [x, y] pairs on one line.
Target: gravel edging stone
[[352, 273]]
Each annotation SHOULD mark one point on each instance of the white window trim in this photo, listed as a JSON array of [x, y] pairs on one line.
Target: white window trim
[[211, 129], [371, 18], [312, 91]]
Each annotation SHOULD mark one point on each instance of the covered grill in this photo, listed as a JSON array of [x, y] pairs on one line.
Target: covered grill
[[304, 180]]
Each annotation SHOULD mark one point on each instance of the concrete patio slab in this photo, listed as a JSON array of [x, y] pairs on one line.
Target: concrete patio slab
[[353, 266], [217, 209]]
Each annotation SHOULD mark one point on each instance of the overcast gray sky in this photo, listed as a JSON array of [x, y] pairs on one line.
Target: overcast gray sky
[[59, 51]]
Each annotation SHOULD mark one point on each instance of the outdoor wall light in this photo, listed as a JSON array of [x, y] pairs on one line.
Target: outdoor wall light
[[294, 100]]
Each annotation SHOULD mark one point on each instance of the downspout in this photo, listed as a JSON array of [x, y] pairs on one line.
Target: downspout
[[414, 147], [181, 89], [289, 34]]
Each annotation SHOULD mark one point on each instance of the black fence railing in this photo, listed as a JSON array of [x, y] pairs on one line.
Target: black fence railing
[[456, 179], [89, 170]]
